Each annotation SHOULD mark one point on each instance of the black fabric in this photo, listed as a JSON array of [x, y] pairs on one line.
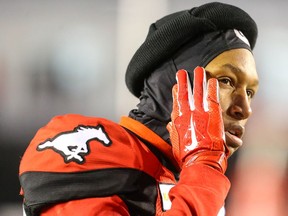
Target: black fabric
[[203, 50], [137, 189], [155, 107], [170, 33]]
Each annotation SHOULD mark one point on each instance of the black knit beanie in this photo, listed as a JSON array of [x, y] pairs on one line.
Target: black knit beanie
[[170, 33]]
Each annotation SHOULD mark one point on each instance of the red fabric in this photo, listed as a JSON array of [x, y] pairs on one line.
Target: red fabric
[[200, 191], [102, 206], [196, 127], [129, 152]]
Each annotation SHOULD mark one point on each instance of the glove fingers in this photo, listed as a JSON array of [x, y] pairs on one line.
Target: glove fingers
[[216, 122], [183, 91], [213, 93], [175, 111], [199, 89]]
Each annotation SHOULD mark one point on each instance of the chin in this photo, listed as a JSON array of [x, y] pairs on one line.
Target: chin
[[232, 150]]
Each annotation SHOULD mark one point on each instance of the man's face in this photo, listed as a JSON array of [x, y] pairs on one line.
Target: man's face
[[236, 73]]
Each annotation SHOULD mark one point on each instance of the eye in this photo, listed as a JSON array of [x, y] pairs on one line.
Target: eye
[[225, 80], [250, 93]]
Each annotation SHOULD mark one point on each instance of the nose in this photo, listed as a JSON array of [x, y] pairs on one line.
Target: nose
[[240, 107]]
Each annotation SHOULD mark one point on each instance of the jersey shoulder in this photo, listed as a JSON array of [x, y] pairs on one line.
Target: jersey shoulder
[[75, 157], [72, 143]]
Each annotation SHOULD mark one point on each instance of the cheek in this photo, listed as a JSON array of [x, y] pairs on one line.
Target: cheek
[[225, 99]]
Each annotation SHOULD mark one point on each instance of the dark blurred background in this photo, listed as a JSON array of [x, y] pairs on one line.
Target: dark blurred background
[[70, 56]]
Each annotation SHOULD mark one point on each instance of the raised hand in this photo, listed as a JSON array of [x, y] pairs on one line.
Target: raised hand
[[196, 128]]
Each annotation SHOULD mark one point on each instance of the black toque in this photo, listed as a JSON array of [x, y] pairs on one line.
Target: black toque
[[170, 33]]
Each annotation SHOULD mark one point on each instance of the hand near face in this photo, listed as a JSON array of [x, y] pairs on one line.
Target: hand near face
[[196, 128]]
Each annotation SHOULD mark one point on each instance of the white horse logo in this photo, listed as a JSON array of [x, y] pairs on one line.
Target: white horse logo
[[73, 145]]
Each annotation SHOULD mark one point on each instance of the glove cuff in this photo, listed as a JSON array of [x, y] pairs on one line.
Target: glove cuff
[[215, 159]]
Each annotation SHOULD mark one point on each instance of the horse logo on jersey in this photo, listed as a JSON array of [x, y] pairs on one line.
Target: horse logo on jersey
[[73, 145]]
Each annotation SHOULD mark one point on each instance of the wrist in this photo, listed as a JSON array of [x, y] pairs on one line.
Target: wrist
[[214, 159]]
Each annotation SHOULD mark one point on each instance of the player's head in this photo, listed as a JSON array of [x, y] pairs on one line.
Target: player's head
[[217, 36]]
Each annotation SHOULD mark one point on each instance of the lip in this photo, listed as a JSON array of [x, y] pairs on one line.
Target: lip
[[233, 135]]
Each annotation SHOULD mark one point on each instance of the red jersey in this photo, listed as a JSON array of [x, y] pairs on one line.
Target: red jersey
[[77, 165]]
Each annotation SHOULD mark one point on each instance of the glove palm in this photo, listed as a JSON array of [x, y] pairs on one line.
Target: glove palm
[[196, 127]]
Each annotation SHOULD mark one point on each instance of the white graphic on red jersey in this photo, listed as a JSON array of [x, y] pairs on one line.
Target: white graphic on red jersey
[[73, 145]]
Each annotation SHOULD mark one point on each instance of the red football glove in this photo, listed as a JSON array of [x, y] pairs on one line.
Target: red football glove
[[196, 128]]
